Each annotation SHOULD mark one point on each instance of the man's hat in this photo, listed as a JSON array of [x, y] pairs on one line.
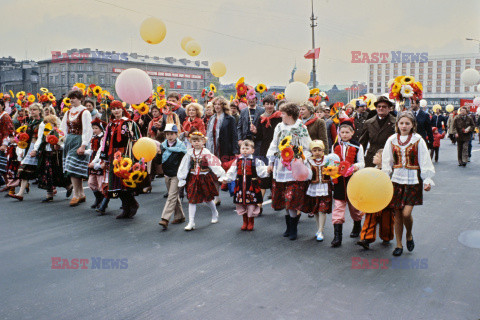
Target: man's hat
[[171, 127], [383, 99]]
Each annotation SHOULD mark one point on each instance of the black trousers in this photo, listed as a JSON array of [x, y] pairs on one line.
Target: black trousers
[[434, 151]]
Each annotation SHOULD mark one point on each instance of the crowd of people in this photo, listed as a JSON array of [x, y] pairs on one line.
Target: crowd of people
[[244, 150]]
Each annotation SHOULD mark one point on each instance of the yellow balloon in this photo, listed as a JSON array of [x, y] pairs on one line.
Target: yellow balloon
[[145, 148], [449, 108], [153, 30], [370, 190], [437, 107], [301, 76], [193, 48], [185, 41], [218, 69]]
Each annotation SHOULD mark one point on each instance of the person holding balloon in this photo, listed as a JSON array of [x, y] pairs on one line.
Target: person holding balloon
[[290, 141], [406, 158], [120, 135], [351, 156]]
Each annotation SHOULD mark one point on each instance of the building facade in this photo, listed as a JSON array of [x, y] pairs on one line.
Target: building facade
[[440, 76], [18, 75], [102, 68]]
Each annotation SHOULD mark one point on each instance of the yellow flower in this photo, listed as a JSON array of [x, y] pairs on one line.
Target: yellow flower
[[231, 98], [399, 79], [11, 93], [67, 102], [419, 85], [97, 90], [213, 88], [64, 110], [241, 80], [314, 91], [161, 103], [22, 129], [285, 143], [48, 128], [31, 98], [280, 96], [19, 102], [161, 90], [51, 97], [396, 87], [80, 85], [44, 90], [1, 95], [20, 94], [407, 80], [261, 88]]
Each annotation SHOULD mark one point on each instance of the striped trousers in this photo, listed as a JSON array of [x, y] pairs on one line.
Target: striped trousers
[[385, 219]]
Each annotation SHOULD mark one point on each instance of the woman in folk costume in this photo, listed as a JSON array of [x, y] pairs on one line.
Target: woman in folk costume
[[406, 158], [287, 193], [120, 135], [222, 134], [77, 127], [28, 166], [6, 130], [199, 172]]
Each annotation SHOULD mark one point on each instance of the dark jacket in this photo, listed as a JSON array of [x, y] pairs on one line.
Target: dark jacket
[[438, 120], [170, 166], [318, 131], [243, 125], [227, 140], [182, 115], [264, 136], [359, 121], [376, 136], [424, 127], [460, 124]]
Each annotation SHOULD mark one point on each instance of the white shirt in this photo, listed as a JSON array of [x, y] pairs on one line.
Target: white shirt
[[86, 123], [360, 164], [213, 163], [316, 189], [404, 175], [259, 166]]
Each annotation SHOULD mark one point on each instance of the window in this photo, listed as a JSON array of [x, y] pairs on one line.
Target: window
[[44, 69], [72, 67], [80, 67], [457, 89], [449, 63], [430, 70], [447, 83], [457, 83], [51, 79], [404, 70], [439, 89], [430, 63], [467, 89], [379, 72], [420, 77], [64, 80], [80, 77], [458, 62], [404, 65], [102, 79], [447, 89], [371, 67], [188, 85], [477, 61], [89, 67], [412, 71], [63, 68], [72, 78], [114, 78], [457, 69], [439, 64], [57, 80], [429, 89], [387, 67], [379, 90], [195, 86]]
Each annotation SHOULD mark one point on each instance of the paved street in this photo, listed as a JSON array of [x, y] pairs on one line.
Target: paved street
[[220, 272]]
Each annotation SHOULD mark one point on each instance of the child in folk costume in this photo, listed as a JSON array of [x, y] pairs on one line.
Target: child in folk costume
[[384, 218], [120, 135], [198, 171], [287, 193], [351, 154], [246, 171], [96, 168], [173, 151], [49, 151], [406, 158], [319, 192], [28, 166]]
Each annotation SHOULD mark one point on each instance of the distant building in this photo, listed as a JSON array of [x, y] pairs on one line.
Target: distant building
[[440, 77], [60, 72], [18, 75]]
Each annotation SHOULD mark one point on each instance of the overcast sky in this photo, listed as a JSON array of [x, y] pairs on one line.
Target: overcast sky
[[258, 39]]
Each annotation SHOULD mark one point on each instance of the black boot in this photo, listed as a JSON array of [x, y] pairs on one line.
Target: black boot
[[287, 221], [125, 206], [293, 227], [133, 206], [357, 227], [103, 206], [337, 240], [98, 199]]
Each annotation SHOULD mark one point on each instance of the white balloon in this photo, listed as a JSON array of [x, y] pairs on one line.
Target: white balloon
[[476, 102], [301, 76], [470, 77], [297, 92], [423, 103]]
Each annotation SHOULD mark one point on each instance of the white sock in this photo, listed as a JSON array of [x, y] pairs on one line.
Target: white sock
[[317, 221], [192, 208], [292, 213], [322, 217], [213, 208]]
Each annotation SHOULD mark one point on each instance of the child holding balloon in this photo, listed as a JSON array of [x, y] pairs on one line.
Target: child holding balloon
[[198, 172], [406, 158], [385, 218]]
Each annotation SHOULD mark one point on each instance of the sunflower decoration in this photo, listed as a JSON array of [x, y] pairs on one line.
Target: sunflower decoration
[[161, 90], [187, 98], [241, 89], [80, 85], [97, 90], [1, 95], [67, 102], [130, 173], [31, 98], [21, 129], [314, 92], [280, 96], [405, 87], [11, 93], [213, 88], [285, 143], [48, 128], [20, 95], [51, 97], [44, 90], [335, 112], [261, 88]]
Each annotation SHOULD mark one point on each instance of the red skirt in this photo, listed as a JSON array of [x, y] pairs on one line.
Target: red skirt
[[289, 195], [406, 195], [318, 204], [201, 188]]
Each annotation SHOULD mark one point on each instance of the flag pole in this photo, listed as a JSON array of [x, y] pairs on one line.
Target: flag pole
[[313, 25]]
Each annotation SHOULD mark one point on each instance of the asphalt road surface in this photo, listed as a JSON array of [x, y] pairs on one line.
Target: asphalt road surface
[[220, 272]]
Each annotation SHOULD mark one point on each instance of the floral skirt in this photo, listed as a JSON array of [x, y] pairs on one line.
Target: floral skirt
[[318, 204], [50, 171], [27, 172], [406, 195], [289, 195], [201, 188]]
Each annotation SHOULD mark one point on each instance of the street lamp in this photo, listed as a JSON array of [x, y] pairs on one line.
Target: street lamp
[[470, 39]]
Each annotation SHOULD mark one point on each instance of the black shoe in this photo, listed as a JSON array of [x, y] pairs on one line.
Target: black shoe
[[293, 228], [397, 252], [357, 227], [98, 199], [269, 196], [47, 199], [410, 245], [287, 221], [464, 164], [385, 242], [165, 195], [69, 191], [364, 243], [103, 206], [337, 230]]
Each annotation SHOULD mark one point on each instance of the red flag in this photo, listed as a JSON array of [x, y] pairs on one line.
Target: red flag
[[312, 54]]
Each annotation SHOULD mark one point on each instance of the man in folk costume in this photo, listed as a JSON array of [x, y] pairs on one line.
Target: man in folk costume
[[350, 152], [248, 117], [378, 129], [76, 124]]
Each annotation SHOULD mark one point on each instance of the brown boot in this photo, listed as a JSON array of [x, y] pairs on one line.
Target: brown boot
[[245, 222], [250, 223], [164, 223]]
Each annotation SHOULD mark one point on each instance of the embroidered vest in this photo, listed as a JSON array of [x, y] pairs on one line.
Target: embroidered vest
[[75, 126], [411, 154], [247, 185], [316, 170], [201, 163]]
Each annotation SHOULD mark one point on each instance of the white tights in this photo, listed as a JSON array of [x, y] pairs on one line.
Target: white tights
[[192, 208], [320, 219], [292, 213]]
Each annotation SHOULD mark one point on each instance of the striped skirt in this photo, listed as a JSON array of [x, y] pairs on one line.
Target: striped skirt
[[74, 165], [3, 163]]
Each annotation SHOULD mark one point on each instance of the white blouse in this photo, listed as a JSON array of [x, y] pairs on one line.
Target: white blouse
[[404, 175], [87, 130], [259, 166], [213, 163]]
